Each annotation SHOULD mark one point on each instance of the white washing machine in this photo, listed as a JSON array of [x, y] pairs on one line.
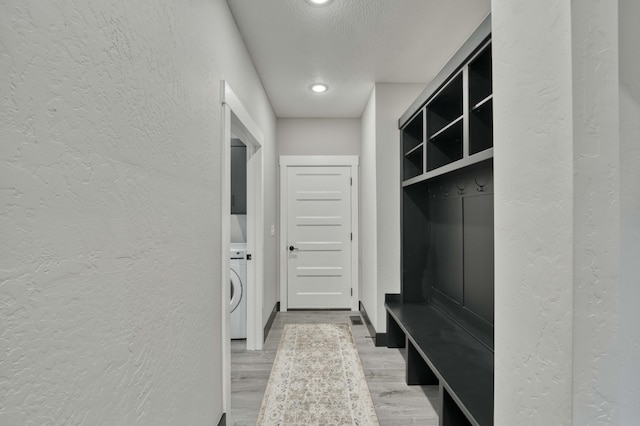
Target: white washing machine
[[238, 276]]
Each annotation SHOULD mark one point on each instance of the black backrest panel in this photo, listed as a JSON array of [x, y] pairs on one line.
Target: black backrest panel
[[478, 255], [445, 254], [459, 260]]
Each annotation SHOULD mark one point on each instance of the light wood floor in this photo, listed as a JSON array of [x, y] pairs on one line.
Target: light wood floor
[[395, 402]]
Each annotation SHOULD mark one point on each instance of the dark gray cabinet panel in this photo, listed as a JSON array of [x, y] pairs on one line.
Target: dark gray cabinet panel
[[478, 255], [444, 314], [446, 246], [416, 283], [238, 177]]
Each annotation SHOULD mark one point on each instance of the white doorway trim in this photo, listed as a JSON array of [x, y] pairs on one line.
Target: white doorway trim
[[320, 161], [236, 118]]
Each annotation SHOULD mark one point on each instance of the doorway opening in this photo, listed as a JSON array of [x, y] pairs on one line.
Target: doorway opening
[[238, 248], [319, 232], [238, 124]]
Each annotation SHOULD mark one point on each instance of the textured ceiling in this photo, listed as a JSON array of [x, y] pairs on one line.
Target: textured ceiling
[[350, 45]]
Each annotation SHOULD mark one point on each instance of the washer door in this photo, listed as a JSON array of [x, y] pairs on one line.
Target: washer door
[[236, 290]]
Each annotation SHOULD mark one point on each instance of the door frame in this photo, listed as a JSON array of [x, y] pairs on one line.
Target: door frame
[[236, 117], [351, 161]]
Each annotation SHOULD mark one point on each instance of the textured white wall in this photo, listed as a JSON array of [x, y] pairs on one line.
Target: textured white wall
[[236, 67], [318, 136], [596, 217], [533, 178], [392, 100], [368, 211], [110, 250], [565, 333], [629, 34]]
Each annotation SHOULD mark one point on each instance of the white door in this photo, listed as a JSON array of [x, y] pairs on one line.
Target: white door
[[319, 245]]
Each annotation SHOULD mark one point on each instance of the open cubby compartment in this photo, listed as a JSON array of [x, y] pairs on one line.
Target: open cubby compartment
[[413, 133], [481, 128], [413, 162], [480, 102], [480, 77], [445, 125], [446, 147], [445, 107]]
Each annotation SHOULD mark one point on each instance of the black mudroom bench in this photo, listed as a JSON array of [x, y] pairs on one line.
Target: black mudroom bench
[[441, 352]]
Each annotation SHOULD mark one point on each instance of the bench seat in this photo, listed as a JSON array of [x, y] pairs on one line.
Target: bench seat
[[439, 351]]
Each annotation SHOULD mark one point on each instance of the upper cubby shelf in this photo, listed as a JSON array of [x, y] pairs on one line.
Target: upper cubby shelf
[[413, 133], [446, 107], [413, 147], [450, 125], [445, 124], [480, 101], [480, 81]]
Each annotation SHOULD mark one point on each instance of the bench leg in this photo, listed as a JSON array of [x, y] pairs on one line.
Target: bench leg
[[418, 371], [395, 335], [450, 413]]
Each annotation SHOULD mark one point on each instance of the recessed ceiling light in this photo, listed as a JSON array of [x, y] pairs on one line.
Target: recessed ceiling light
[[318, 2], [319, 87]]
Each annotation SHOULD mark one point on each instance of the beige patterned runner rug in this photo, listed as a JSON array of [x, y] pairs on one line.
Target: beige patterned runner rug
[[317, 379]]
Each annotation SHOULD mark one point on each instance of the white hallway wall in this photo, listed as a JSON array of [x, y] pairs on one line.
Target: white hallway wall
[[567, 223], [380, 183], [318, 136], [368, 212], [110, 185]]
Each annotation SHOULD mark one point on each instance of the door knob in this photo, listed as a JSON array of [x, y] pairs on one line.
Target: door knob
[[291, 248]]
